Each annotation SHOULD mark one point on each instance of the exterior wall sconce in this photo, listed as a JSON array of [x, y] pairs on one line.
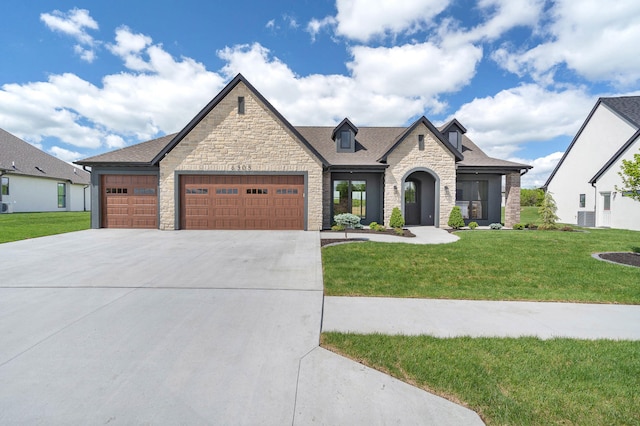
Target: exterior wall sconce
[[395, 188]]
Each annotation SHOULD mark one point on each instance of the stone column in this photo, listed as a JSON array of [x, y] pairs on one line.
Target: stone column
[[512, 199]]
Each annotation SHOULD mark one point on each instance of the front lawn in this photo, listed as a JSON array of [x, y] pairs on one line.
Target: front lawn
[[489, 265], [524, 381], [21, 226]]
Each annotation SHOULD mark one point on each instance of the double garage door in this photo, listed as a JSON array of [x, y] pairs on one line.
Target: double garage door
[[242, 202], [207, 201]]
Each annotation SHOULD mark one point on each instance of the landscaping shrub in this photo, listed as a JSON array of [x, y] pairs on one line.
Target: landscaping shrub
[[518, 226], [337, 228], [399, 231], [531, 226], [455, 218], [566, 228], [375, 226], [473, 225], [547, 227], [396, 221], [495, 226]]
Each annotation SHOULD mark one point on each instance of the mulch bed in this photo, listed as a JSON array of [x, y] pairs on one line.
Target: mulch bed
[[624, 258], [327, 241]]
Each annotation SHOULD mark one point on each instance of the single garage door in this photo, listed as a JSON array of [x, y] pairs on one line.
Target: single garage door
[[129, 201], [242, 202]]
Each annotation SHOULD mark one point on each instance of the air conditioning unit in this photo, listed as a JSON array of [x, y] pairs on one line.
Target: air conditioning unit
[[6, 208]]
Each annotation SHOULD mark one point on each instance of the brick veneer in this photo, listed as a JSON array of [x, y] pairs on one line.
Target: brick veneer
[[253, 142], [512, 199]]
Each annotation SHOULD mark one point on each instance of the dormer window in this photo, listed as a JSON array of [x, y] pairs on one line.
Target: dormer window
[[346, 140], [453, 138], [453, 131], [344, 135]]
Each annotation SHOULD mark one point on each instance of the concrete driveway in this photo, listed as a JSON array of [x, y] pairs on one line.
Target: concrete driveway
[[188, 327]]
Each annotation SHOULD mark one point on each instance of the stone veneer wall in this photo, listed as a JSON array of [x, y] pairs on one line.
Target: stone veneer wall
[[254, 142], [408, 157], [512, 199]]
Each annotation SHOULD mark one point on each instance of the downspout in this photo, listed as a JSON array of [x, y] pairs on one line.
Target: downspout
[[84, 198]]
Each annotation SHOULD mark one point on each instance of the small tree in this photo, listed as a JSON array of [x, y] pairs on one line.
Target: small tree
[[396, 221], [347, 220], [455, 218], [547, 211], [630, 174]]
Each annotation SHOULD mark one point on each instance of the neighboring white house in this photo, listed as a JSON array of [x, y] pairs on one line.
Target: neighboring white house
[[584, 182], [34, 181]]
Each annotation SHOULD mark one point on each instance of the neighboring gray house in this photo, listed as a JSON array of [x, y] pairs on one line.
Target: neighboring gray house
[[34, 181], [585, 181], [239, 164]]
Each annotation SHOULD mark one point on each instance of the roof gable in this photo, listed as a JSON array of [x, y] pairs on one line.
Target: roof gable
[[616, 156], [628, 107], [423, 120], [22, 158], [214, 102]]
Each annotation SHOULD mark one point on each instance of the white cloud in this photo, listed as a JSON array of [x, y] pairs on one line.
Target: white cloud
[[597, 41], [325, 99], [500, 124], [162, 99], [501, 16], [74, 23], [65, 154], [414, 70], [316, 25], [364, 19], [542, 168]]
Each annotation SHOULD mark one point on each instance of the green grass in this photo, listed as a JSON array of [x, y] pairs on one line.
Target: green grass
[[20, 226], [524, 381], [529, 215], [489, 265]]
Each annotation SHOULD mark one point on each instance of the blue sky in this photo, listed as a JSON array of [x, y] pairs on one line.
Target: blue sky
[[78, 78]]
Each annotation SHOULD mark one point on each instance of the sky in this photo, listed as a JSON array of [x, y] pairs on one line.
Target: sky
[[79, 78]]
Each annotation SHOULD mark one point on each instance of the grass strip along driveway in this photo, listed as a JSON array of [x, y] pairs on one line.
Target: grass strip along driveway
[[489, 265], [524, 381], [22, 226]]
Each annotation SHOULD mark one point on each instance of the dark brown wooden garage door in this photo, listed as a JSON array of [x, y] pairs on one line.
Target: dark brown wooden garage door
[[129, 201], [242, 202]]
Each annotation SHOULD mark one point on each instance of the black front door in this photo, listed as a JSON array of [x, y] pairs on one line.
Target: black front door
[[412, 202]]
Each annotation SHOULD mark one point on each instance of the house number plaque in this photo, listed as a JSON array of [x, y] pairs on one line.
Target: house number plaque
[[240, 167]]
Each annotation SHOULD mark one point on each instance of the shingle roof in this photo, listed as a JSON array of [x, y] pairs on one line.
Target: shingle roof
[[21, 158], [371, 144], [627, 106], [139, 154]]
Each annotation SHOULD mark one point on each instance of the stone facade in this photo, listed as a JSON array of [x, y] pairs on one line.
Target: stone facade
[[512, 199], [406, 158], [226, 141]]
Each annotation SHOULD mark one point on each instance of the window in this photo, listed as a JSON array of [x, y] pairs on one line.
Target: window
[[606, 198], [472, 197], [453, 138], [144, 191], [62, 195], [583, 200], [345, 139], [240, 104], [197, 191], [226, 191], [257, 191], [409, 192], [421, 142], [350, 196], [5, 186]]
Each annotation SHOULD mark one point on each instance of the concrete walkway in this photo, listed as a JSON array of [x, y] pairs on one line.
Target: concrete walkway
[[451, 318], [423, 235]]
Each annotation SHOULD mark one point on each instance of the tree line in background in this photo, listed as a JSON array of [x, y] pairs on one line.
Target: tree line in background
[[531, 197]]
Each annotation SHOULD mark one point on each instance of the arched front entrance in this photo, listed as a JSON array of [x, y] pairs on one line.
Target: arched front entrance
[[420, 192]]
